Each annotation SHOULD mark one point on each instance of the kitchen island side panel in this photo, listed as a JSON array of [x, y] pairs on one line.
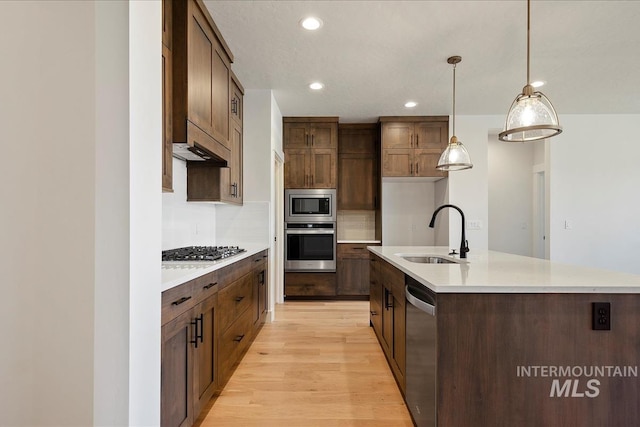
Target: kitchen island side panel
[[534, 360]]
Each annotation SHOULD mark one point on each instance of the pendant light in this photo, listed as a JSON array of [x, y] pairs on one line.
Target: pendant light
[[531, 116], [455, 157]]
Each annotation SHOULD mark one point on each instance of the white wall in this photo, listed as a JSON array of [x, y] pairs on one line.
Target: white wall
[[468, 189], [111, 341], [595, 181], [145, 89], [407, 205], [510, 170]]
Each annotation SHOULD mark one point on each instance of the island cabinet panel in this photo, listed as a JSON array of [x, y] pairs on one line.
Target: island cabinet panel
[[411, 146], [375, 295], [500, 356], [388, 314]]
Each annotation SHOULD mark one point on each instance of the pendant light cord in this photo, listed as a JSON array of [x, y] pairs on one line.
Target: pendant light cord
[[528, 37], [454, 100]]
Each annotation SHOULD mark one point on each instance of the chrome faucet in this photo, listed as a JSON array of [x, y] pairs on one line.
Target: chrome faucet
[[464, 244]]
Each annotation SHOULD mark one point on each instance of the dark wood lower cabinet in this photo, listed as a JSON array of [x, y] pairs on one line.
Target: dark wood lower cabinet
[[207, 325], [388, 314], [309, 285]]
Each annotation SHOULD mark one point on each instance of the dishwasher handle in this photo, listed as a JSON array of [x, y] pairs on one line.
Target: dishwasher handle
[[418, 303]]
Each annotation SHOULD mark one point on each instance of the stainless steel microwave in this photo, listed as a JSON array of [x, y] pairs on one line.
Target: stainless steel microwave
[[311, 205]]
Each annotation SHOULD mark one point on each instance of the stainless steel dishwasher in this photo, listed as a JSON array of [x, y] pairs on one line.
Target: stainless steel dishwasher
[[421, 353]]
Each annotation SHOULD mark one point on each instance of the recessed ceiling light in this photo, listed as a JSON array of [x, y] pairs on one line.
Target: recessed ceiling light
[[316, 86], [537, 83], [311, 23], [410, 104]]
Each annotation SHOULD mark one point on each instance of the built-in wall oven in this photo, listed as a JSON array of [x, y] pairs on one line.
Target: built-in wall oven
[[310, 230]]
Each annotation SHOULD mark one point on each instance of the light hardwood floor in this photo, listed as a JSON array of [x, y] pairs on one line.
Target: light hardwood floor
[[317, 364]]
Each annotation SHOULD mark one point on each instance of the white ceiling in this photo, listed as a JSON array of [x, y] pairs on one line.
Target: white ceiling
[[373, 56]]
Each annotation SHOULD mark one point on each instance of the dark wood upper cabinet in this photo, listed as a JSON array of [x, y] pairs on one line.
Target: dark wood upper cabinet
[[201, 81], [357, 166], [412, 145], [310, 148]]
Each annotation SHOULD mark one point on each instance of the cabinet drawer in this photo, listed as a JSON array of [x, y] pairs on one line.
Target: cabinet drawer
[[233, 342], [205, 286], [353, 250], [177, 300], [310, 284], [234, 300]]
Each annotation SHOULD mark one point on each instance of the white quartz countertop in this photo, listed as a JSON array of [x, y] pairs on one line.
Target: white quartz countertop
[[175, 273], [496, 272]]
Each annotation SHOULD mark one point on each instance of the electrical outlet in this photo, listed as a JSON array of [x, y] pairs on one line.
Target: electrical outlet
[[474, 224], [601, 316]]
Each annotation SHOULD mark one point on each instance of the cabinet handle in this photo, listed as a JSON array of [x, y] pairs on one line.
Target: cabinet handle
[[373, 313], [209, 286], [198, 335], [417, 140], [181, 300], [358, 248], [387, 303], [411, 168], [411, 140], [312, 138], [239, 338], [312, 180], [306, 139], [238, 299], [234, 106], [417, 168]]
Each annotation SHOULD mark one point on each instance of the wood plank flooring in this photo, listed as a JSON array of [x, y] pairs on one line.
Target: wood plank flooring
[[317, 364]]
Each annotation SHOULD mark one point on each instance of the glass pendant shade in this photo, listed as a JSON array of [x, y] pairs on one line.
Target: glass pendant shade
[[530, 118], [455, 157]]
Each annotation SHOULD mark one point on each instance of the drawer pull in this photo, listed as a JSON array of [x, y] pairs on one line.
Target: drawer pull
[[358, 248], [373, 313], [210, 285], [238, 299], [239, 338], [181, 300], [257, 260]]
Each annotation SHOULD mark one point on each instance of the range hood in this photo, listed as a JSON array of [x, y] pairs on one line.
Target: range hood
[[200, 146]]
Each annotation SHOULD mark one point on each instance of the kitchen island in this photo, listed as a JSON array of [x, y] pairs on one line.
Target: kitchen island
[[517, 340]]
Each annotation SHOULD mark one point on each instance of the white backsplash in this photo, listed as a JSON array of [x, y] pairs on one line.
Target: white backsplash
[[243, 225], [186, 223], [356, 225]]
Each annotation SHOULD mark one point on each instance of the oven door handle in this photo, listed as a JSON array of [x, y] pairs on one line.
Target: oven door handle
[[316, 231]]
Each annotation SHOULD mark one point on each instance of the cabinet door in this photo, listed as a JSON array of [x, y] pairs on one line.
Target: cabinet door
[[296, 135], [205, 373], [221, 108], [177, 372], [397, 135], [397, 162], [387, 321], [426, 161], [323, 168], [375, 295], [353, 276], [324, 135], [167, 129], [431, 135], [201, 52], [399, 338], [236, 103], [296, 168], [356, 182], [166, 23], [235, 166]]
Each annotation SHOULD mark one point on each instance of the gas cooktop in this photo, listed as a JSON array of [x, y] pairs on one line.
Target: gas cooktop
[[200, 253]]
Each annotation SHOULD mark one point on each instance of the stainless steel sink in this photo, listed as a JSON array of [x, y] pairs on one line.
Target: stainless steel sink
[[427, 259]]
